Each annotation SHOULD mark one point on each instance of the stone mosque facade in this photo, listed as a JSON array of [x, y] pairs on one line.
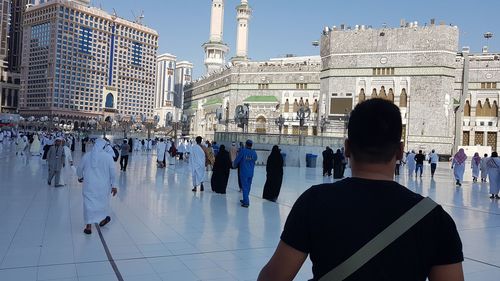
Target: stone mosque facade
[[447, 97]]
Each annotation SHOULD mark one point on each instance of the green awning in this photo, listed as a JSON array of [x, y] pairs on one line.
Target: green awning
[[213, 101], [194, 105], [261, 99]]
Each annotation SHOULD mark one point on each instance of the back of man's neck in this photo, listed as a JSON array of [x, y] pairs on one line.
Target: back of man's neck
[[374, 171]]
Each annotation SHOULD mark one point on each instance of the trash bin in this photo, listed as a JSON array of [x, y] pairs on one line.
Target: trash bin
[[313, 158], [283, 155], [308, 160]]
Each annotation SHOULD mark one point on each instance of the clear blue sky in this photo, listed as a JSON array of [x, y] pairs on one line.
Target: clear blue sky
[[280, 27]]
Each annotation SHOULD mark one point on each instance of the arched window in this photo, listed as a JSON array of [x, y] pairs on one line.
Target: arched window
[[260, 126], [479, 109], [494, 109], [374, 93], [487, 108], [467, 109], [361, 96], [403, 99], [382, 93], [287, 105], [390, 96], [109, 101]]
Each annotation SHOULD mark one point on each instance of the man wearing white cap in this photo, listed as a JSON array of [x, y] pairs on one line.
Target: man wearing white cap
[[97, 172], [55, 159]]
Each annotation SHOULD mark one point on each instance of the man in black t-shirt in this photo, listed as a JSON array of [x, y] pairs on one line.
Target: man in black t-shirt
[[419, 161], [331, 222]]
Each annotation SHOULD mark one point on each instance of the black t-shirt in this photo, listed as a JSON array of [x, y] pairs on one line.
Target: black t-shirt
[[419, 158], [331, 222]]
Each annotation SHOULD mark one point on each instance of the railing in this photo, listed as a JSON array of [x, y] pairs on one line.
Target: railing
[[299, 140]]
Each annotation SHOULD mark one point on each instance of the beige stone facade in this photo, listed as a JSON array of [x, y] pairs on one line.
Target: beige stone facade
[[269, 88], [415, 67]]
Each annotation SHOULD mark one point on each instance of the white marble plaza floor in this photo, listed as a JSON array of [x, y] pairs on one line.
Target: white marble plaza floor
[[161, 230]]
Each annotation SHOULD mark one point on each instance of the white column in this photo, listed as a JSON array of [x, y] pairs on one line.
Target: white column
[[217, 21], [243, 16]]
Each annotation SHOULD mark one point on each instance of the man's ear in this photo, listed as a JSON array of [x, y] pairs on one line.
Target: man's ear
[[347, 148], [401, 151]]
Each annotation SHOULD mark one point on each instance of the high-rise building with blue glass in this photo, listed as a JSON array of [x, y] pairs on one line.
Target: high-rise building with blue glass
[[80, 62]]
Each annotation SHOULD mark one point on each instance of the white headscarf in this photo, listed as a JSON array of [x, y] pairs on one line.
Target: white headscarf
[[99, 147]]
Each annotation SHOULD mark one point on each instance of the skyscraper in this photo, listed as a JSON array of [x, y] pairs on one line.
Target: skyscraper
[[183, 76], [165, 80], [171, 77], [80, 62], [11, 13]]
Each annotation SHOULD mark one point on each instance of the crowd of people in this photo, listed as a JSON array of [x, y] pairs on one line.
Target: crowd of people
[[373, 152]]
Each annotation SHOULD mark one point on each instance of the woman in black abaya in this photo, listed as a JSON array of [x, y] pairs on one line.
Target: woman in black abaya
[[338, 164], [220, 171], [274, 177]]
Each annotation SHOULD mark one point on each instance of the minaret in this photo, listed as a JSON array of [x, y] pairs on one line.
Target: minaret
[[215, 49], [243, 16]]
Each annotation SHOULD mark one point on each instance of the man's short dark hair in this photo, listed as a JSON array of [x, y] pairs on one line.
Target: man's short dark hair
[[374, 131], [199, 139]]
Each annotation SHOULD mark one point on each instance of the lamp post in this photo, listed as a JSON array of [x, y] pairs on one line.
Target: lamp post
[[280, 122], [346, 123], [242, 113], [323, 123], [302, 114], [150, 123]]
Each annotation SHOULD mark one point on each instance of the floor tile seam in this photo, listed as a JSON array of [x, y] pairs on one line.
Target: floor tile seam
[[468, 209], [51, 206], [480, 228], [482, 262], [111, 261], [52, 264], [198, 253], [70, 190], [20, 223], [151, 211]]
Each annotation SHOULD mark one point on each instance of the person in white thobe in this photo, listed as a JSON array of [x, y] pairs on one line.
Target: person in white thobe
[[410, 163], [161, 147], [136, 144], [493, 164], [484, 168], [197, 164], [35, 146], [458, 165], [475, 165], [20, 145], [97, 172], [168, 156], [68, 163]]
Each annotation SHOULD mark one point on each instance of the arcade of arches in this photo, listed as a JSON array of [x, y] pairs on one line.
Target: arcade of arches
[[383, 94], [480, 115]]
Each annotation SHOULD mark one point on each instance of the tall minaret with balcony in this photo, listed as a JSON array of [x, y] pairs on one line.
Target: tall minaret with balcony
[[215, 49], [243, 16]]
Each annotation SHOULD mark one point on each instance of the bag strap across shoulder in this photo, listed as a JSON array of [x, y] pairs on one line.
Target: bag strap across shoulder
[[381, 241]]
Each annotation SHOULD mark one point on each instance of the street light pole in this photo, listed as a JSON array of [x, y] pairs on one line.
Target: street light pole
[[280, 122]]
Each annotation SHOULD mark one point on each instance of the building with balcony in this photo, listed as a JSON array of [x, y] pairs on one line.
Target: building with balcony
[[81, 63], [271, 88]]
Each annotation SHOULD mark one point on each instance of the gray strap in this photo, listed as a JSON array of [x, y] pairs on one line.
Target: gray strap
[[381, 241]]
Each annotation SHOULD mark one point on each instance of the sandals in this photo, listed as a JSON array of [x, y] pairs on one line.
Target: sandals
[[105, 221]]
